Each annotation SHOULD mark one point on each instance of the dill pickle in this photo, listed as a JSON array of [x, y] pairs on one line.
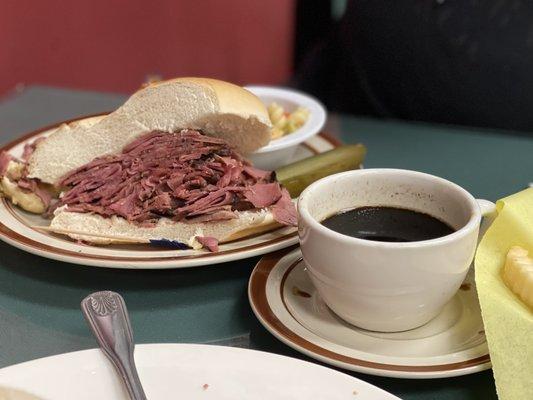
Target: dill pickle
[[300, 174]]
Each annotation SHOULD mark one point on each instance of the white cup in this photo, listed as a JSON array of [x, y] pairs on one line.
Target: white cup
[[388, 286]]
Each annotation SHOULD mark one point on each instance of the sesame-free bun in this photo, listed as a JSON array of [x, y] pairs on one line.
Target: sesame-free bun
[[95, 229], [215, 107]]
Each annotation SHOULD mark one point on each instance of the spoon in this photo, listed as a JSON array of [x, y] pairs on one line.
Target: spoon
[[108, 320]]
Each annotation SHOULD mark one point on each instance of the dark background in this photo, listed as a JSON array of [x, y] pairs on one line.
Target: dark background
[[464, 62]]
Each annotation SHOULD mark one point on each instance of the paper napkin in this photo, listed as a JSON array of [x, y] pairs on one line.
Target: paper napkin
[[508, 322]]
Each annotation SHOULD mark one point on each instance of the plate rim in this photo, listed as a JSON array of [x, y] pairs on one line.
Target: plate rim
[[7, 373], [170, 262], [257, 296]]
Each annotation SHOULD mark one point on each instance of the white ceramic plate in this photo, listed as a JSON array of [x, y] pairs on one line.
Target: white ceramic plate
[[279, 151], [285, 301], [16, 229], [186, 371]]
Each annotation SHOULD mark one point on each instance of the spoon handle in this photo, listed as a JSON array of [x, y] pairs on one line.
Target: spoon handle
[[108, 319]]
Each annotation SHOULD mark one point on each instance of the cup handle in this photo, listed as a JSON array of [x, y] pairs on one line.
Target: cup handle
[[488, 212]]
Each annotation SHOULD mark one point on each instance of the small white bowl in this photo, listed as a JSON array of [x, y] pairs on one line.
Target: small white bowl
[[279, 151]]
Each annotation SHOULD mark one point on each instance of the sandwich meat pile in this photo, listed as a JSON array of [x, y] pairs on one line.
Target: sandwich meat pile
[[184, 176], [160, 167]]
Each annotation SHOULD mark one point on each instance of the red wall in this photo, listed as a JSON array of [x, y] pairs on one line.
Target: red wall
[[113, 45]]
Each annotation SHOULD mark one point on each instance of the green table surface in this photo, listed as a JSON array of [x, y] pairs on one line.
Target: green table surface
[[39, 298]]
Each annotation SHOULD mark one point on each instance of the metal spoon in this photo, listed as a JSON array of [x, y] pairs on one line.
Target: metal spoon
[[108, 319]]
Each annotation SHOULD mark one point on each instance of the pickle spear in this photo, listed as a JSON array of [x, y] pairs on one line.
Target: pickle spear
[[300, 174]]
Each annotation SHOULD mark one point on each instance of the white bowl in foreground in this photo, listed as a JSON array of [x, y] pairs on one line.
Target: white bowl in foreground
[[279, 151]]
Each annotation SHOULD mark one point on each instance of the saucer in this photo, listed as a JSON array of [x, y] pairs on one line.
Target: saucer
[[287, 304]]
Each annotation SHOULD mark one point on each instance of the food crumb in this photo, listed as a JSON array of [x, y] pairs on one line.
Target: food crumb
[[465, 286], [297, 292], [354, 392], [205, 386]]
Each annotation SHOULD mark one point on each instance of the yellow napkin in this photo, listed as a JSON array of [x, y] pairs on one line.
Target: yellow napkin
[[508, 322]]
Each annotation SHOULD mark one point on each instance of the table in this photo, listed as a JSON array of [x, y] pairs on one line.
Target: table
[[39, 298]]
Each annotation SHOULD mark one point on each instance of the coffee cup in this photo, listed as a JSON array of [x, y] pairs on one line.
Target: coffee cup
[[388, 286]]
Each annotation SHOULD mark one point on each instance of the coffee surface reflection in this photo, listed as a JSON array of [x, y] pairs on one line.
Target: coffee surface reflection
[[387, 224]]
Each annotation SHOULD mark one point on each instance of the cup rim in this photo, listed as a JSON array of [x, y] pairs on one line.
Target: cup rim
[[304, 214]]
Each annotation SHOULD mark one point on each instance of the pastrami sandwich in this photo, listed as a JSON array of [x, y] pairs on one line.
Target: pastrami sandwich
[[168, 164]]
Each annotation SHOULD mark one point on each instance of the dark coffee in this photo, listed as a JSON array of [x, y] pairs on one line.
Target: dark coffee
[[387, 224]]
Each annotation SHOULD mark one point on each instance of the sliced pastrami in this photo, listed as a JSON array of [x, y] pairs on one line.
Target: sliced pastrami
[[284, 211], [23, 182], [209, 242], [32, 186], [185, 176], [263, 194], [5, 158]]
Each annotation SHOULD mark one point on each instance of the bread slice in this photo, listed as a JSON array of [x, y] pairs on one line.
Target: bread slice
[[110, 230], [24, 199], [217, 108]]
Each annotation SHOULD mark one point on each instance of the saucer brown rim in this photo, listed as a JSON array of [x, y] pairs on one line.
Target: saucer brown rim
[[25, 242], [257, 294]]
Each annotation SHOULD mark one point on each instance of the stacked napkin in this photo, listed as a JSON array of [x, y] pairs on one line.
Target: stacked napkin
[[508, 322]]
